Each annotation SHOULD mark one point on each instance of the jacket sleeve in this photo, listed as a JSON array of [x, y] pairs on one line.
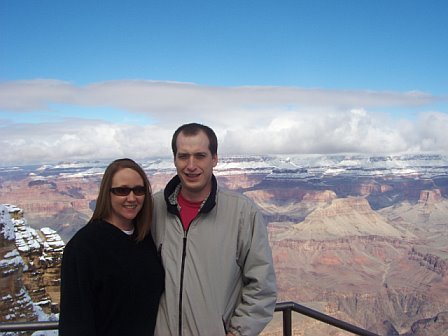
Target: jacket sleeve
[[259, 293], [77, 295]]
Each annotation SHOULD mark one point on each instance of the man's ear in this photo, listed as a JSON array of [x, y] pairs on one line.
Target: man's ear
[[215, 160]]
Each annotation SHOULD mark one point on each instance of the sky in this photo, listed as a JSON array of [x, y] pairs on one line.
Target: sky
[[83, 80]]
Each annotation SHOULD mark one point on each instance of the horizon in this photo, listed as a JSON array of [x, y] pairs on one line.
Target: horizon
[[288, 159], [295, 77]]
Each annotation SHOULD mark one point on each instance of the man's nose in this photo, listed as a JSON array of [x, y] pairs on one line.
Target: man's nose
[[191, 164]]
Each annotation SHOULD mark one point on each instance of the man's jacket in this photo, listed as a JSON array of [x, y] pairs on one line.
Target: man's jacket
[[219, 274]]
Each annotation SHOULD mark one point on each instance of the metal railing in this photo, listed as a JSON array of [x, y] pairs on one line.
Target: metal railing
[[288, 307], [29, 326], [285, 307]]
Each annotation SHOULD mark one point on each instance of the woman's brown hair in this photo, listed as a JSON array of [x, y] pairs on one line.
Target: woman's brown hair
[[103, 207]]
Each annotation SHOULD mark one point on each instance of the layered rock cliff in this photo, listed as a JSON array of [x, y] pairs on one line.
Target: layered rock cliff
[[365, 243], [30, 268], [357, 264], [15, 303], [344, 217], [61, 202]]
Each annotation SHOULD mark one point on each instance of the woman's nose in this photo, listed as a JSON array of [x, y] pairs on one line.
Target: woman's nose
[[131, 196]]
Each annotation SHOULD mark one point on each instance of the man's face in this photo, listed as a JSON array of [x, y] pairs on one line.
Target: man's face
[[194, 164]]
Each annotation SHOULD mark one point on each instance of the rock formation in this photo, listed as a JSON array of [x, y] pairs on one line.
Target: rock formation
[[363, 240], [44, 199], [357, 264], [15, 303], [344, 217], [30, 268]]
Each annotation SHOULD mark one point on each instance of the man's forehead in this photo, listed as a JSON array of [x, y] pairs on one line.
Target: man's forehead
[[192, 141], [192, 152]]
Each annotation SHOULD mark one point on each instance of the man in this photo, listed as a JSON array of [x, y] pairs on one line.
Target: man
[[213, 243]]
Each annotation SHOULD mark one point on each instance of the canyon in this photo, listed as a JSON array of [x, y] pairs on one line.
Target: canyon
[[29, 267], [360, 238]]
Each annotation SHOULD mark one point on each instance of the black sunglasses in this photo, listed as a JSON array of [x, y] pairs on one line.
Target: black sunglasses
[[124, 191]]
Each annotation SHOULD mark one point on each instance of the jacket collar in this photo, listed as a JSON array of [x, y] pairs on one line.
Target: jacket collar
[[172, 189]]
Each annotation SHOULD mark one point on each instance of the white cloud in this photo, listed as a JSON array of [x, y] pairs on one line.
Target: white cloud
[[80, 139], [23, 96], [431, 131], [248, 120], [351, 131]]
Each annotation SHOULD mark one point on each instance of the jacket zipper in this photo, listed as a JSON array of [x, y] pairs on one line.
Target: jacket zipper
[[184, 252]]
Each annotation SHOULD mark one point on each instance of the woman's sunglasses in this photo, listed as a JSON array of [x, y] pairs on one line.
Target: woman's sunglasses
[[124, 191]]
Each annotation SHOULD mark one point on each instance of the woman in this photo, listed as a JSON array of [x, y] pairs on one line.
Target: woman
[[111, 276]]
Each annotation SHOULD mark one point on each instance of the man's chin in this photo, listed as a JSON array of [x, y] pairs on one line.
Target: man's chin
[[192, 186]]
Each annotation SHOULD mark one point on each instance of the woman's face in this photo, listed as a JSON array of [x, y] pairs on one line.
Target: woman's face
[[125, 208]]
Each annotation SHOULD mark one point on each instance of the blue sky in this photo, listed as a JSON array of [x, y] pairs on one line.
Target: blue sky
[[302, 76]]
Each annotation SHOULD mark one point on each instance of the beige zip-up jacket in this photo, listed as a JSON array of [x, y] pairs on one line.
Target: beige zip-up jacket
[[219, 275]]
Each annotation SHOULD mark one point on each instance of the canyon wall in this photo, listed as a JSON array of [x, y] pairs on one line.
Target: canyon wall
[[30, 269], [367, 247]]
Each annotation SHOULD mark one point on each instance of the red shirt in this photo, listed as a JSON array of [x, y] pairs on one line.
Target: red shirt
[[188, 210]]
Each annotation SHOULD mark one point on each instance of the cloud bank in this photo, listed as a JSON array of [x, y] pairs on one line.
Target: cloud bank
[[247, 120]]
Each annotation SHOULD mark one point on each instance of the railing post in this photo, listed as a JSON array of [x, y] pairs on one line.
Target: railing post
[[287, 322]]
